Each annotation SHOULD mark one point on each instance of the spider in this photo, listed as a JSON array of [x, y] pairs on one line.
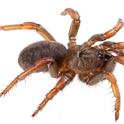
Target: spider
[[91, 63]]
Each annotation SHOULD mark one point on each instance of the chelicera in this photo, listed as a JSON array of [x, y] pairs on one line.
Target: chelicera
[[92, 63]]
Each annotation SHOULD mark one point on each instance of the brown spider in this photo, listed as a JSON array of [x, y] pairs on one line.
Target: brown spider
[[91, 63]]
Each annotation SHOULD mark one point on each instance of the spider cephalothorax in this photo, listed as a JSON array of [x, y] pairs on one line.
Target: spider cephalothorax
[[91, 63]]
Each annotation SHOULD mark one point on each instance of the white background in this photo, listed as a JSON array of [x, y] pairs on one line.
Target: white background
[[77, 103]]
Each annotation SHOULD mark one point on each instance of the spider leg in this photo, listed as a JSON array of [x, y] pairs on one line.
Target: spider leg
[[119, 45], [115, 47], [119, 59], [59, 86], [74, 25], [109, 33], [26, 73], [30, 26], [104, 36], [109, 76], [112, 46]]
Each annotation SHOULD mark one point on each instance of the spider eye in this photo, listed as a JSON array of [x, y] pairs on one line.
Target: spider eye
[[100, 55], [104, 56], [80, 54], [107, 57]]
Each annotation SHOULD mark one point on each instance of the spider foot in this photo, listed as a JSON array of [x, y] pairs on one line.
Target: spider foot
[[74, 14], [116, 115], [35, 112], [40, 107], [1, 94], [120, 21]]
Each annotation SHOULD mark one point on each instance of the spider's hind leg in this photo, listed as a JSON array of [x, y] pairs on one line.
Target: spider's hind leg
[[30, 26], [38, 65], [64, 80]]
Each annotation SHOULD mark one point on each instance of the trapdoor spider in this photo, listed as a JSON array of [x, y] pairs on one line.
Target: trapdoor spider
[[91, 63]]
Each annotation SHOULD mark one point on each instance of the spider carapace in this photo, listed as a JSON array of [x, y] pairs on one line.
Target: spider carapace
[[92, 63]]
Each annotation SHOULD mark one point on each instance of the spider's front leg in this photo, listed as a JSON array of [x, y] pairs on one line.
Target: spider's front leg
[[104, 36], [38, 65], [74, 25], [109, 76], [115, 47], [65, 79], [112, 46], [30, 26]]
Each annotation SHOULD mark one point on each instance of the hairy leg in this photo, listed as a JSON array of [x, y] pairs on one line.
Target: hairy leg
[[112, 46], [30, 26], [119, 59], [103, 36], [26, 73], [109, 76], [74, 25], [65, 79]]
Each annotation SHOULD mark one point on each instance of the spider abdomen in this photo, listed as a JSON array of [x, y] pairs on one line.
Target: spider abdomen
[[36, 51]]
